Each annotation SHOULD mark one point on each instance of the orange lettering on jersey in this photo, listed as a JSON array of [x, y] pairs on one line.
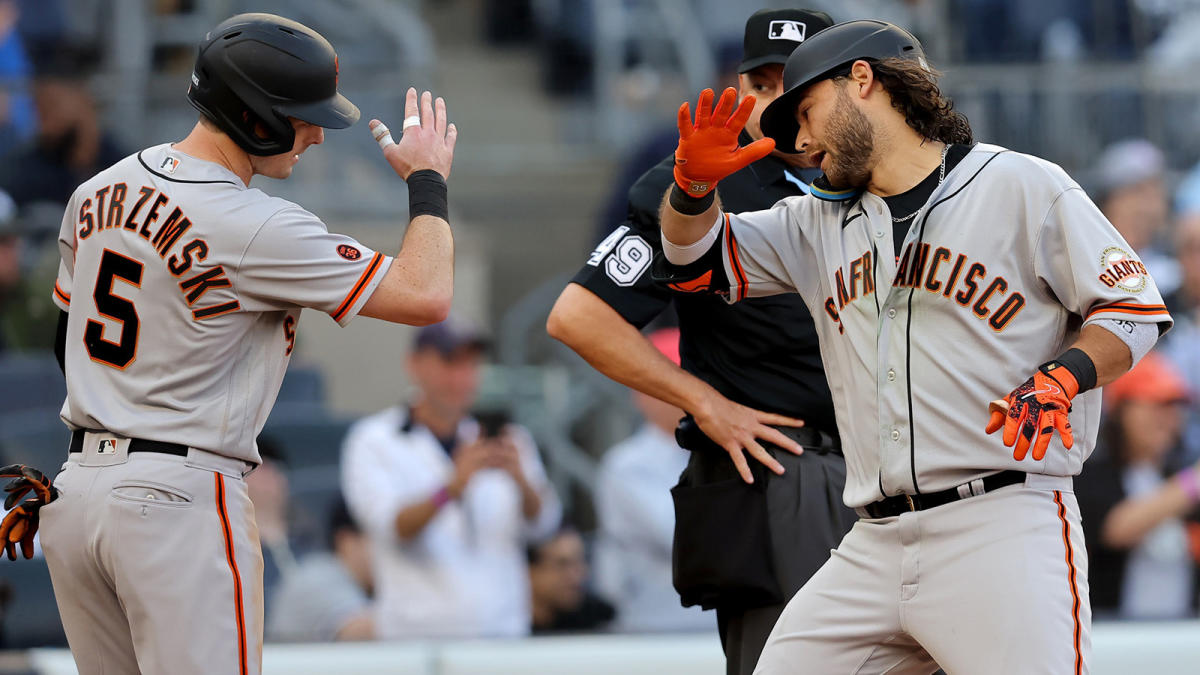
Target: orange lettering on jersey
[[840, 286], [170, 231], [101, 194], [831, 310], [145, 192], [86, 220], [964, 297], [196, 247], [152, 214], [980, 308], [958, 264], [202, 283], [1004, 313], [917, 271], [856, 275], [116, 205], [868, 275], [215, 310], [902, 268], [931, 283], [289, 334]]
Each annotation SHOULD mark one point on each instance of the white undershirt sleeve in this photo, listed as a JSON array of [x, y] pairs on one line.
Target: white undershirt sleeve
[[1139, 337], [683, 255]]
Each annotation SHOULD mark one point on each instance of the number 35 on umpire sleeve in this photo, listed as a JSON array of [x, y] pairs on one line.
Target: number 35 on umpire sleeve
[[628, 260]]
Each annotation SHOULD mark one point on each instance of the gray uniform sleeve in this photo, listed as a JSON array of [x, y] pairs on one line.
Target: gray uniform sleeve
[[66, 266], [756, 253], [767, 253], [1090, 267], [294, 261]]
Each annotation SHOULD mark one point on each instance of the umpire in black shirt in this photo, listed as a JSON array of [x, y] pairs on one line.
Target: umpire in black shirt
[[747, 534]]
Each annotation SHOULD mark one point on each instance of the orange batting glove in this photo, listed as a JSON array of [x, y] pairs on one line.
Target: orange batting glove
[[21, 522], [708, 150], [1036, 408]]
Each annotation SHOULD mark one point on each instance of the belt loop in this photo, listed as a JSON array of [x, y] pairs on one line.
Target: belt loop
[[977, 487]]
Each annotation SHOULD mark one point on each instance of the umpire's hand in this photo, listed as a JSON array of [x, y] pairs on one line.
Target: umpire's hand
[[427, 141], [737, 429]]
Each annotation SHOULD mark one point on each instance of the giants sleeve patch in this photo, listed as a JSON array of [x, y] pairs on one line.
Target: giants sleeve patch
[[1121, 270]]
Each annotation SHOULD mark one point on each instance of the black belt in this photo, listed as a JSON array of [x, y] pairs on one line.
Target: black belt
[[894, 506], [135, 445]]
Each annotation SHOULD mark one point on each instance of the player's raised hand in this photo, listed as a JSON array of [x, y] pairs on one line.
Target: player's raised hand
[[708, 148], [427, 141], [1032, 411], [738, 429]]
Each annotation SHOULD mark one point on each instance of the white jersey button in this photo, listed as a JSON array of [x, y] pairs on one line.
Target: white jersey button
[[892, 313], [891, 375], [895, 434], [878, 234]]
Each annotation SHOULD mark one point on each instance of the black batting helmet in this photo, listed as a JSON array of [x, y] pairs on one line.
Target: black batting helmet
[[822, 56], [257, 70]]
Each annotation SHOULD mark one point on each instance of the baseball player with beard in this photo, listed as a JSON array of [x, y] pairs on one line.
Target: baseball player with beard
[[181, 288], [961, 289]]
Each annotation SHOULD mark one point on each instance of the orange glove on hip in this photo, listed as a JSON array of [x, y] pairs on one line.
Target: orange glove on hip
[[708, 149], [21, 522], [1034, 410]]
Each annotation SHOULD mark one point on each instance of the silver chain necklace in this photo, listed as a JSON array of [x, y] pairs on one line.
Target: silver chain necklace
[[941, 178]]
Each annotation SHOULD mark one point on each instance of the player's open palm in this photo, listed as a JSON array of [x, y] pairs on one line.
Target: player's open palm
[[427, 140], [738, 429]]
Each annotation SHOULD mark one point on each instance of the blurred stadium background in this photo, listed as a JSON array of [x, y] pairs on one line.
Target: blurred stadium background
[[560, 104]]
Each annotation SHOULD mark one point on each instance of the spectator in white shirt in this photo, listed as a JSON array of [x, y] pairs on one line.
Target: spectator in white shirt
[[448, 505], [637, 518]]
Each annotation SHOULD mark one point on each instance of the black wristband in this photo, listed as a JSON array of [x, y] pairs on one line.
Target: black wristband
[[689, 205], [427, 195], [1080, 365]]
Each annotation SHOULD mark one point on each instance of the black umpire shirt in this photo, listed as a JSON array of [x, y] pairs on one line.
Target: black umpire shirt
[[760, 352]]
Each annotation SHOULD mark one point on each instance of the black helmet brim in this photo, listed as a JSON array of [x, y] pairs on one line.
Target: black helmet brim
[[336, 112], [822, 56]]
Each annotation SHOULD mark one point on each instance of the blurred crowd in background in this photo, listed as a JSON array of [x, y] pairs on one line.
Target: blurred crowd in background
[[539, 523]]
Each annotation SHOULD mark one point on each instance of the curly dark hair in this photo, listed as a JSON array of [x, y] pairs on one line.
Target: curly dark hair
[[915, 93]]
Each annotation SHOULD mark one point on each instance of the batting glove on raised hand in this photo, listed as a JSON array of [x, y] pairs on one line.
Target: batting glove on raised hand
[[708, 149], [1034, 410], [21, 523]]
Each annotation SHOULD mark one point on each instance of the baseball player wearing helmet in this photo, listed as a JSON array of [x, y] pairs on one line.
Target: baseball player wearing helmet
[[945, 275], [182, 288]]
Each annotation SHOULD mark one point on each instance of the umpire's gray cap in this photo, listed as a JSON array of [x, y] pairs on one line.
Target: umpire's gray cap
[[821, 57]]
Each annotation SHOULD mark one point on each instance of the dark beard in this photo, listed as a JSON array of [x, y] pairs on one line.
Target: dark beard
[[852, 142]]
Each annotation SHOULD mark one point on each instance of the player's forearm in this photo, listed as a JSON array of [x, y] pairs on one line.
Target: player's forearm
[[419, 286], [613, 346], [1107, 351], [683, 229]]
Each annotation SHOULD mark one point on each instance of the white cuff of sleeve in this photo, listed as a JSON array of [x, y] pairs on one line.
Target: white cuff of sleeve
[[683, 255], [1139, 337]]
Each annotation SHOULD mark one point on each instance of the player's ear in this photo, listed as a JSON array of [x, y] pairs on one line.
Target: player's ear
[[861, 77]]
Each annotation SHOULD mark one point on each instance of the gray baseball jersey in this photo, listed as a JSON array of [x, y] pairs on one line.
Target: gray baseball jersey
[[1005, 264], [184, 288]]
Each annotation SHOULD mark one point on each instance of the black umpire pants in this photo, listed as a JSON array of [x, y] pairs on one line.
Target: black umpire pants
[[805, 519]]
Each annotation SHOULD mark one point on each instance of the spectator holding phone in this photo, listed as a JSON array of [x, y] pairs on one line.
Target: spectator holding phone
[[448, 501]]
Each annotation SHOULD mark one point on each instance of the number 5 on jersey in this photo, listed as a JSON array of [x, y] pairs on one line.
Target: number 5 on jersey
[[114, 267]]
